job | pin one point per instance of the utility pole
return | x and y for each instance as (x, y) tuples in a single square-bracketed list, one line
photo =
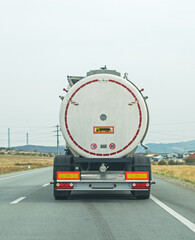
[(8, 137), (27, 139), (57, 135), (58, 129)]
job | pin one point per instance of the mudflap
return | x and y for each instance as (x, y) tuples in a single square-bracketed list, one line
[(61, 163)]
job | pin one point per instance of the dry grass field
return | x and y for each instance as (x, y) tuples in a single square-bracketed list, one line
[(182, 172), (13, 163)]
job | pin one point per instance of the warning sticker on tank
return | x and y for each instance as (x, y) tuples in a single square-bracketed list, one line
[(103, 129)]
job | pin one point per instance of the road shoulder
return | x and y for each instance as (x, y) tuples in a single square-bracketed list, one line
[(176, 181)]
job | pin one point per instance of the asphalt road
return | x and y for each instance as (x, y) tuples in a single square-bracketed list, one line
[(29, 211)]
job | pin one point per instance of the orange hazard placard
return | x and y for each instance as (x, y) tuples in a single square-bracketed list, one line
[(103, 129), (136, 176), (68, 175)]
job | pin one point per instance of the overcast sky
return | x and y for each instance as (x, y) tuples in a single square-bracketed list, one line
[(43, 41)]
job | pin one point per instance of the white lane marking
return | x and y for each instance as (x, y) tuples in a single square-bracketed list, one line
[(182, 219), (45, 185), (17, 200), (19, 175)]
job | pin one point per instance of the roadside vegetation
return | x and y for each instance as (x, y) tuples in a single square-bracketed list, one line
[(182, 172), (12, 161)]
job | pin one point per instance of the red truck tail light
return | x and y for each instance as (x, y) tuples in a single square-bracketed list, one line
[(64, 185), (140, 185)]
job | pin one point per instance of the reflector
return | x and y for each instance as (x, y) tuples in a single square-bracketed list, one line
[(64, 185), (140, 185)]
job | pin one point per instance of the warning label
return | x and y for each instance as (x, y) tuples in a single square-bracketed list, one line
[(103, 130)]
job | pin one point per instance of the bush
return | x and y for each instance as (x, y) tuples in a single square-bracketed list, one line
[(171, 162), (32, 154), (162, 162), (190, 160)]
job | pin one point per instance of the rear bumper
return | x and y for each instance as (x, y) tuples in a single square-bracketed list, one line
[(109, 181), (102, 186)]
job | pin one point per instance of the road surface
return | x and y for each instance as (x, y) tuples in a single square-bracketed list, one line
[(29, 211)]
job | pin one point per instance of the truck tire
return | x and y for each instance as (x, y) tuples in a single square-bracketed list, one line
[(60, 195), (61, 163), (141, 164), (141, 194)]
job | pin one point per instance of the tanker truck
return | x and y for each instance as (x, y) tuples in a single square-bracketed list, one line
[(103, 118)]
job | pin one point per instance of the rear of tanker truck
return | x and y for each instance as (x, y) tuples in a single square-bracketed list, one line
[(103, 119)]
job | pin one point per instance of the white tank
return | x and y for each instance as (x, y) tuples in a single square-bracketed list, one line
[(103, 115)]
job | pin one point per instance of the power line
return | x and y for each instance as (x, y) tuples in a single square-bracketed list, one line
[(175, 123), (39, 127), (167, 134)]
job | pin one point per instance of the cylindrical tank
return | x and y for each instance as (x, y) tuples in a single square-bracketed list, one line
[(103, 116)]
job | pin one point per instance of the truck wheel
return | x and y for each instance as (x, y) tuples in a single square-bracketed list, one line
[(60, 195), (141, 164), (141, 194), (61, 163)]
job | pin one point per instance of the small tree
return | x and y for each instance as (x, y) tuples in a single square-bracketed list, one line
[(171, 162), (162, 162)]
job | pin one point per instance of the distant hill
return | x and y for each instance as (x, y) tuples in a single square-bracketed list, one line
[(43, 149), (178, 147)]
